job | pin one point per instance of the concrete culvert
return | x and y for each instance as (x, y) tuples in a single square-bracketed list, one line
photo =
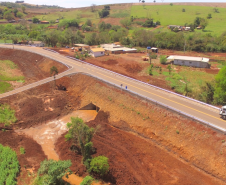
[(90, 106), (61, 87)]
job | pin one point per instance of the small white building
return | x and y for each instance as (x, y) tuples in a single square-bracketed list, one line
[(199, 62), (97, 52)]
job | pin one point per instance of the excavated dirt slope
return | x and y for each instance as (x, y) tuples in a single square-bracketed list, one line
[(145, 144), (33, 66)]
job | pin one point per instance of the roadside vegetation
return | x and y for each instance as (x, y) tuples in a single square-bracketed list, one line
[(9, 166), (7, 115)]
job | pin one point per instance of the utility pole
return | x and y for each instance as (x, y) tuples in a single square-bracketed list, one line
[(184, 45)]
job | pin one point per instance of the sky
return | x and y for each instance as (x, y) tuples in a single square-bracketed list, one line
[(84, 3)]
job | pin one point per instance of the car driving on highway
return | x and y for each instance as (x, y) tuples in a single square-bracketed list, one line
[(223, 112)]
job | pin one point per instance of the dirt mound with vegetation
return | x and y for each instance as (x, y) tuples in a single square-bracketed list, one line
[(145, 144), (34, 67)]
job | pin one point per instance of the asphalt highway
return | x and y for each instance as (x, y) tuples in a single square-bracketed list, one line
[(207, 114)]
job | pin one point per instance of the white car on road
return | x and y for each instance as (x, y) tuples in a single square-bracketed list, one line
[(223, 112)]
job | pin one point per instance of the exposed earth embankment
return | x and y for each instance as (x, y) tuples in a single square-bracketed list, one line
[(145, 144)]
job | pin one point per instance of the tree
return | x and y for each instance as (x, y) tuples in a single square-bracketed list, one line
[(19, 15), (15, 12), (220, 89), (169, 68), (51, 172), (209, 16), (197, 21), (87, 180), (207, 94), (203, 23), (81, 135), (183, 10), (163, 59), (150, 69), (93, 8), (160, 70), (8, 15), (104, 13), (88, 22), (125, 22), (143, 1), (54, 71), (107, 7), (23, 9), (216, 10), (148, 23), (171, 4), (35, 20), (99, 165)]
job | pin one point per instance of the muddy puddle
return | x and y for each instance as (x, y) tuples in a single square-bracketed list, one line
[(47, 134)]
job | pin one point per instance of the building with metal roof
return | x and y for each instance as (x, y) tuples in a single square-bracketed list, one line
[(199, 62), (97, 52), (113, 48)]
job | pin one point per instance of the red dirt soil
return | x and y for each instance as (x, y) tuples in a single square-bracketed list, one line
[(132, 159), (158, 155), (30, 161)]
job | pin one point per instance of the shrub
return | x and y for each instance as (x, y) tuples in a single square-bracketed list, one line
[(209, 16), (22, 150), (99, 165), (7, 116), (87, 180), (163, 59), (9, 166), (183, 10), (150, 70), (153, 56), (52, 171)]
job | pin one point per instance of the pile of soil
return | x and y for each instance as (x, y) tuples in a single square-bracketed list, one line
[(39, 105), (30, 161)]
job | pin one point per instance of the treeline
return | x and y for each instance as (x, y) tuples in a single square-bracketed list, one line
[(70, 32)]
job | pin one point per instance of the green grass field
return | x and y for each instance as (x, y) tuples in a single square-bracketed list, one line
[(173, 15), (177, 80), (7, 75), (82, 16)]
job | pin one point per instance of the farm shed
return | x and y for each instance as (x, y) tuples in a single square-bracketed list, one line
[(97, 52), (117, 49), (199, 62)]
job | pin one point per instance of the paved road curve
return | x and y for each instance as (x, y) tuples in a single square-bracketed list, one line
[(206, 113)]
